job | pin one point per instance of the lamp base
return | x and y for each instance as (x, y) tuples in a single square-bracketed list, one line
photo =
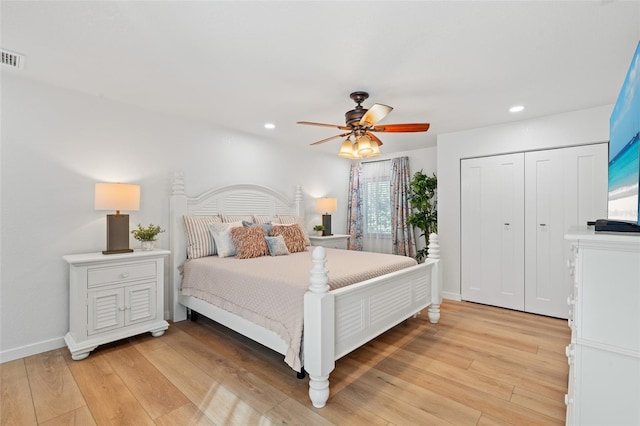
[(117, 234), (117, 251), (326, 222)]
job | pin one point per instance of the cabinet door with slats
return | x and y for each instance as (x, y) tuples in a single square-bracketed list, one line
[(140, 302), (105, 310)]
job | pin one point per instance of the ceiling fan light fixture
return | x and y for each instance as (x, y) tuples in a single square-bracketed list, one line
[(346, 149), (364, 145), (376, 150)]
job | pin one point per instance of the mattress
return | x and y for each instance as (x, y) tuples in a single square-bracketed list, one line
[(269, 290)]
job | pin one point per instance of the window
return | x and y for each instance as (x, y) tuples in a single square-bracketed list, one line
[(377, 207)]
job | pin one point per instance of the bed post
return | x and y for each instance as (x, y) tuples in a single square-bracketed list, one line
[(177, 209), (433, 253), (297, 198), (319, 329)]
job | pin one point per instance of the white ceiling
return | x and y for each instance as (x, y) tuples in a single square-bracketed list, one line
[(457, 65)]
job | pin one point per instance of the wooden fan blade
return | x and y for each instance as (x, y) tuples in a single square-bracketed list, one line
[(331, 138), (374, 114), (310, 123), (374, 138), (409, 127)]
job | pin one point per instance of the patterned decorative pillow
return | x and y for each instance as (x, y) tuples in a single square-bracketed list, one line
[(293, 237), (290, 220), (277, 246), (232, 218), (265, 226), (199, 240), (222, 238), (250, 242), (263, 218)]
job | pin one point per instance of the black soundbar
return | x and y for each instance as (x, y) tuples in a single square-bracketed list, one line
[(605, 225)]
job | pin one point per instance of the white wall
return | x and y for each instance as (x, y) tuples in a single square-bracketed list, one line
[(56, 144), (574, 128)]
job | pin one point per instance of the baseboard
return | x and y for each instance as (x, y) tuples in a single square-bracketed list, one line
[(34, 349), (452, 296)]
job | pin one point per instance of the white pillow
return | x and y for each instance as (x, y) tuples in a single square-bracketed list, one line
[(222, 236)]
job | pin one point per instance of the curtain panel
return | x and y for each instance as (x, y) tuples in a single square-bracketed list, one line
[(378, 207), (402, 236)]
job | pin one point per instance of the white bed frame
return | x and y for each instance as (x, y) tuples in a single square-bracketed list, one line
[(335, 322)]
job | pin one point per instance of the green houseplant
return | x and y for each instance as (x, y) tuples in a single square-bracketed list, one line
[(318, 229), (423, 200), (147, 235)]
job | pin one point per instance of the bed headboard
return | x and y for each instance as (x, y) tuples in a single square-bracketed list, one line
[(239, 199)]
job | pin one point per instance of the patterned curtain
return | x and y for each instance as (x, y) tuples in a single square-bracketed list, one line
[(401, 233), (354, 208)]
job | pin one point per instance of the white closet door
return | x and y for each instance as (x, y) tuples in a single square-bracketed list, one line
[(492, 246), (544, 234), (563, 188)]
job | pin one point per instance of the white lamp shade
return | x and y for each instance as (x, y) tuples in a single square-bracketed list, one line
[(327, 205), (364, 145), (117, 196), (376, 149), (346, 149)]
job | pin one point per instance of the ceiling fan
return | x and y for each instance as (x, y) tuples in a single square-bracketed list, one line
[(360, 123)]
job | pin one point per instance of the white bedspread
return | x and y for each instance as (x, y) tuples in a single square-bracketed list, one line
[(269, 291)]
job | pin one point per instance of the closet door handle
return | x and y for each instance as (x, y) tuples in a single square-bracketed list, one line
[(543, 224)]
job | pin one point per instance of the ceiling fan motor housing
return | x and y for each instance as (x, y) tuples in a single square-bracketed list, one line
[(352, 118), (356, 114)]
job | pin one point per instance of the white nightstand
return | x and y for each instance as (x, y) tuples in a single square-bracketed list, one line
[(338, 241), (114, 296)]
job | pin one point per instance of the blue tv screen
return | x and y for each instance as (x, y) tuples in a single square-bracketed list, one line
[(624, 149)]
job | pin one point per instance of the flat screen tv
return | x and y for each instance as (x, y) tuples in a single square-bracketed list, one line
[(624, 155)]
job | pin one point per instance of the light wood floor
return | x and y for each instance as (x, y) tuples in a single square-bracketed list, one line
[(479, 366)]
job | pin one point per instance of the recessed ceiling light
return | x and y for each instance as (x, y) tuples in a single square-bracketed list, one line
[(269, 126), (516, 108)]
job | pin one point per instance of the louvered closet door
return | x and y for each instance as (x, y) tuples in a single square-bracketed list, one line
[(564, 188), (492, 229)]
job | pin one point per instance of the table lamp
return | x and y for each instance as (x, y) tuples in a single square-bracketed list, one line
[(326, 206), (117, 196)]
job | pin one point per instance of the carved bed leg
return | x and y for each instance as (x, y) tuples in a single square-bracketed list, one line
[(319, 390), (319, 329), (300, 374), (434, 313)]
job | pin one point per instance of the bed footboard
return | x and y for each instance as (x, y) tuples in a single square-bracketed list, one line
[(339, 321)]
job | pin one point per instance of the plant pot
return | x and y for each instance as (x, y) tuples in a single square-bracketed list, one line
[(146, 245), (319, 233)]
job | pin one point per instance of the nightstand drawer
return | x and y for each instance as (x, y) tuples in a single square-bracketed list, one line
[(337, 244), (120, 273), (337, 241)]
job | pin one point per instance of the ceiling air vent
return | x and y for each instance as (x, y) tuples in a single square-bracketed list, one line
[(12, 59)]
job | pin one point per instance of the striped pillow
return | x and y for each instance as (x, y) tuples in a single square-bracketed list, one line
[(199, 240), (232, 218), (263, 218)]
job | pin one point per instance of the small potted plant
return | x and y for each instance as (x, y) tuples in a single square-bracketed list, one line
[(319, 229), (147, 235)]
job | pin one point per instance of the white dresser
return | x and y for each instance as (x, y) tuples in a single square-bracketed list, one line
[(114, 296), (604, 316)]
